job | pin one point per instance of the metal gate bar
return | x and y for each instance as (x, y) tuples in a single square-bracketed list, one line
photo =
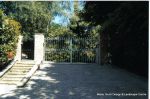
[(71, 50)]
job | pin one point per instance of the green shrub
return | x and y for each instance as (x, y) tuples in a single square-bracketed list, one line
[(9, 33)]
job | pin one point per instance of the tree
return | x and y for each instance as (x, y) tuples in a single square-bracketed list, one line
[(56, 30), (124, 33), (80, 27), (8, 7), (34, 16)]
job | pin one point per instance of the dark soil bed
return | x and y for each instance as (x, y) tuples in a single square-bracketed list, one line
[(4, 65)]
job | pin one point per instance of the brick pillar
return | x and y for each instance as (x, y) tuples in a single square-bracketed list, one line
[(38, 48), (18, 51)]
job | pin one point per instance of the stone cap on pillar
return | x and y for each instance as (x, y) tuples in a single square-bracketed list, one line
[(38, 34)]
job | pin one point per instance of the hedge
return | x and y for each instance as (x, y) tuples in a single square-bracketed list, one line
[(9, 34)]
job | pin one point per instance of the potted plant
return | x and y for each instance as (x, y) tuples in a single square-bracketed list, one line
[(10, 55)]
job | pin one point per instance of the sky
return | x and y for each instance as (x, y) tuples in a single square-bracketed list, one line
[(60, 20), (63, 20)]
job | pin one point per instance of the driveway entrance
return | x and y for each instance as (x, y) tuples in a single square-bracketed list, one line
[(81, 81)]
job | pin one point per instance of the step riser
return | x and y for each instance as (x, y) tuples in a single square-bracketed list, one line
[(16, 70), (25, 64), (10, 83), (13, 72), (11, 79), (19, 70), (14, 76), (16, 73)]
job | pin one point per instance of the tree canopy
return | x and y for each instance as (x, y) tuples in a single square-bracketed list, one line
[(124, 32), (34, 16)]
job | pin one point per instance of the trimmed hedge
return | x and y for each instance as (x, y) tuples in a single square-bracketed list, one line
[(9, 33)]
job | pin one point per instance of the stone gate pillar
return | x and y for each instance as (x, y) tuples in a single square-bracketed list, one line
[(38, 48), (98, 55), (18, 51)]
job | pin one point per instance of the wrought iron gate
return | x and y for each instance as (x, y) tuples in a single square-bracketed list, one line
[(27, 49), (82, 50)]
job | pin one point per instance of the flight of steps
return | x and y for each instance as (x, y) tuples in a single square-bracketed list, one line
[(17, 73)]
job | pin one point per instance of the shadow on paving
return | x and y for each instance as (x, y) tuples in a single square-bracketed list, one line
[(82, 81)]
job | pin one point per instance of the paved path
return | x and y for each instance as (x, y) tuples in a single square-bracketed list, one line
[(86, 81)]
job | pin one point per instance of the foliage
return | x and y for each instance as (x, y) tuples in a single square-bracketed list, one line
[(80, 27), (8, 7), (34, 16), (84, 37), (84, 29), (56, 30), (9, 33), (99, 12), (124, 32), (63, 48)]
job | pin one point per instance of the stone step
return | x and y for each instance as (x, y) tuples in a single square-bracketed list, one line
[(23, 64), (30, 63), (14, 76), (19, 70), (16, 73), (21, 67), (16, 67), (11, 79), (9, 82)]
